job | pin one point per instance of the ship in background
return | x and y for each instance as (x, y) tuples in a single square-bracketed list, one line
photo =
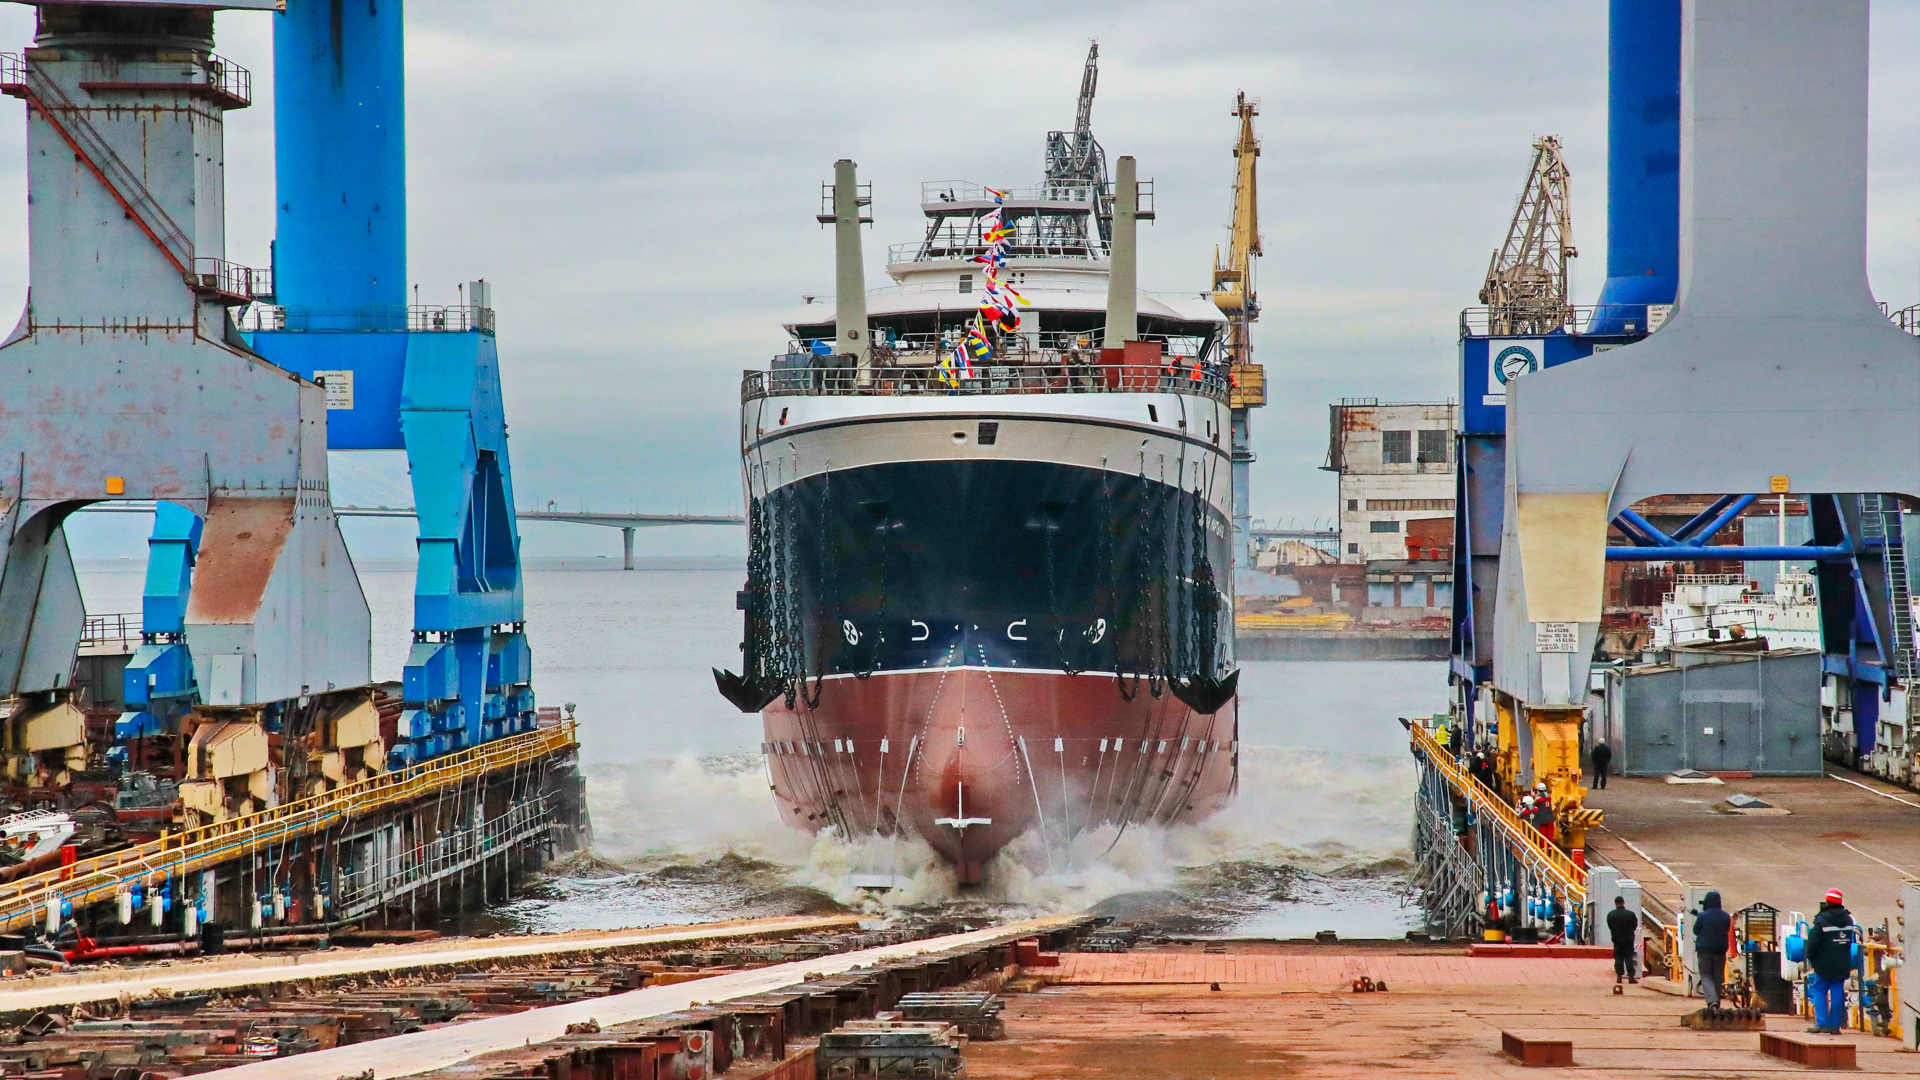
[(988, 588)]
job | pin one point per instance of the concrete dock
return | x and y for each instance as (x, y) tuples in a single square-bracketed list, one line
[(231, 972), (1841, 830), (1287, 1010)]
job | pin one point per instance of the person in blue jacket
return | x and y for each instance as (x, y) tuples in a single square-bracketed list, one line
[(1830, 955), (1712, 929)]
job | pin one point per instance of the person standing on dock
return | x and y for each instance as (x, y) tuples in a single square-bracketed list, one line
[(1712, 930), (1622, 927), (1602, 756), (1830, 955)]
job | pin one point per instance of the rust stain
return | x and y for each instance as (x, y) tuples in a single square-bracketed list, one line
[(239, 545)]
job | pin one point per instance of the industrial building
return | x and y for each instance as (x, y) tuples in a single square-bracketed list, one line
[(1395, 463)]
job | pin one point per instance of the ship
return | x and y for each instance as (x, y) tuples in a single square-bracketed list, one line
[(988, 588)]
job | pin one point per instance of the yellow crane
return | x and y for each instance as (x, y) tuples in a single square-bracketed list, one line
[(1233, 291), (1233, 294)]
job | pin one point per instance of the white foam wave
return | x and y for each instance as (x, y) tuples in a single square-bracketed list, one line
[(1320, 811)]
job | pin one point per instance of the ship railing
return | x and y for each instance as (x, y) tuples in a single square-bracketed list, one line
[(930, 250), (935, 192), (1526, 842), (1039, 378), (25, 900), (1042, 346), (379, 318)]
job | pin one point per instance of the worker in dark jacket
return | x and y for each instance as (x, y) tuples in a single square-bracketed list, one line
[(1602, 756), (1482, 769), (1830, 955), (1712, 929), (1622, 928)]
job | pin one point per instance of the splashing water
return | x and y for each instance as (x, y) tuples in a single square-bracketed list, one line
[(1315, 840)]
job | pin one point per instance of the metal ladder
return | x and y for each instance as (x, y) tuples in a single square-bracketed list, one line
[(1880, 520)]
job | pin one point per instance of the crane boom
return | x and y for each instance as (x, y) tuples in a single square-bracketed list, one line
[(1233, 279), (1234, 295), (1083, 116), (1526, 288)]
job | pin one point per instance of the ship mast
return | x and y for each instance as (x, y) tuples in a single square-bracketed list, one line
[(1233, 294), (1074, 158), (1526, 289)]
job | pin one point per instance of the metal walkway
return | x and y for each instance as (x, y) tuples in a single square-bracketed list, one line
[(25, 901), (1469, 843)]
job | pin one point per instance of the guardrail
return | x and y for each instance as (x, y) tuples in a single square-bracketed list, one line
[(244, 283), (927, 251), (230, 79), (934, 192), (987, 379), (26, 900), (1540, 855), (367, 890), (414, 318)]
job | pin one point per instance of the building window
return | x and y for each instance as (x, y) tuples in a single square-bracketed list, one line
[(1354, 504), (1433, 446), (1406, 504), (1353, 549), (1380, 594), (1396, 447), (1383, 526), (966, 283)]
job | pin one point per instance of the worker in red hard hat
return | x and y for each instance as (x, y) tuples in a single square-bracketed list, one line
[(1830, 955)]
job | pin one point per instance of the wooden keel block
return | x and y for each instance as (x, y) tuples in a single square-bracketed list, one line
[(1533, 1050), (1813, 1053)]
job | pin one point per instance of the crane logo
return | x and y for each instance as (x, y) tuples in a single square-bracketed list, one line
[(1507, 363)]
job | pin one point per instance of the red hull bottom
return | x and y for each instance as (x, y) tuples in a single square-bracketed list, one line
[(969, 758)]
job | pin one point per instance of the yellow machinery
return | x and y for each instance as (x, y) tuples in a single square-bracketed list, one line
[(1554, 758)]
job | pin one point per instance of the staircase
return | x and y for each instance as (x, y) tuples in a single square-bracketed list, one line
[(1880, 526)]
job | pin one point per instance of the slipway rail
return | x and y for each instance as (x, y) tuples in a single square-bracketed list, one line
[(25, 901)]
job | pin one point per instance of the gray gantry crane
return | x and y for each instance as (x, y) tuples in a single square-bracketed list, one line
[(1526, 289)]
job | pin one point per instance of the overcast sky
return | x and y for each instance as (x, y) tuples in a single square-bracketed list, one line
[(639, 181)]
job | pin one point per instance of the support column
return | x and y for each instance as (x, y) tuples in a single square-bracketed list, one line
[(850, 276), (626, 543)]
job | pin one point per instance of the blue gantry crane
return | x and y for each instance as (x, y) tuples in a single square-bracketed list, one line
[(398, 376)]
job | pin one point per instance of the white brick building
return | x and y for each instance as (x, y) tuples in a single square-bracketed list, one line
[(1395, 462)]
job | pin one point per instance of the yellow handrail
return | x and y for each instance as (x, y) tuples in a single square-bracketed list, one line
[(1560, 871), (23, 900)]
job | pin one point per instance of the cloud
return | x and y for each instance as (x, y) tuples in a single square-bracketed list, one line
[(639, 181)]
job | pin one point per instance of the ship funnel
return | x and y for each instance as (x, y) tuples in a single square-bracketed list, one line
[(850, 275), (1123, 278)]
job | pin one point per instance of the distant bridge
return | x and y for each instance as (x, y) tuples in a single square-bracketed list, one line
[(626, 523)]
